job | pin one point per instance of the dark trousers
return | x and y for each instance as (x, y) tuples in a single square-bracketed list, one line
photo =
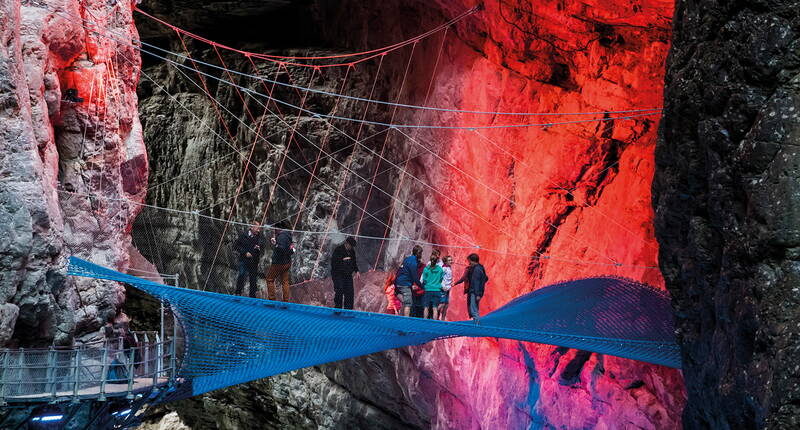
[(247, 270), (343, 294), (416, 306), (472, 305)]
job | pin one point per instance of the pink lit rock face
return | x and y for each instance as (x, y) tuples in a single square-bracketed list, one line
[(571, 192), (50, 141), (568, 192)]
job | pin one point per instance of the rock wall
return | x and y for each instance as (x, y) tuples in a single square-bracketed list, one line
[(51, 139), (525, 199), (725, 194), (542, 212)]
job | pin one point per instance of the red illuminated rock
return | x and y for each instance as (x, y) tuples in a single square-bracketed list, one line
[(578, 194), (68, 121), (555, 203)]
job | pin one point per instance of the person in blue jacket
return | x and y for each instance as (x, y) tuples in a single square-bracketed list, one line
[(476, 279), (407, 276)]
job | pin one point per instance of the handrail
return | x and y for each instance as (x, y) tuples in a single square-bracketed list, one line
[(35, 375)]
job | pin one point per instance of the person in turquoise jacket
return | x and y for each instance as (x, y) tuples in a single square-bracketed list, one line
[(432, 283)]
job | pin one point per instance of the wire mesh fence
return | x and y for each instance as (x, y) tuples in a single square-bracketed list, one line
[(100, 369)]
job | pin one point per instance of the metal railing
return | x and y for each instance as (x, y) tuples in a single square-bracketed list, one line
[(90, 371)]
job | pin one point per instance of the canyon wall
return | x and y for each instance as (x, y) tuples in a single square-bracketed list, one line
[(68, 127), (555, 202), (725, 194), (544, 204)]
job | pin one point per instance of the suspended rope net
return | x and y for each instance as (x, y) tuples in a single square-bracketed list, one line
[(231, 340)]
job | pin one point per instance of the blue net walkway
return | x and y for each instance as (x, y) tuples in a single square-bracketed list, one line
[(231, 340)]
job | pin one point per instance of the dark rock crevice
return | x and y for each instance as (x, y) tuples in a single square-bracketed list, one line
[(725, 192)]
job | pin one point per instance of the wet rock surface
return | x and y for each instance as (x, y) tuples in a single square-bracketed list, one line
[(68, 124), (725, 194)]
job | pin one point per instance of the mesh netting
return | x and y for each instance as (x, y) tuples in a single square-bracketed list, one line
[(232, 340)]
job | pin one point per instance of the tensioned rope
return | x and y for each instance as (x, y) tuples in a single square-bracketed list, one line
[(246, 164), (380, 189), (283, 58), (346, 168), (319, 153), (404, 105), (365, 237), (231, 340), (290, 172), (355, 98), (406, 164), (616, 264), (502, 196), (202, 123), (386, 138), (245, 125), (411, 209), (337, 161), (649, 112), (250, 128), (288, 145), (342, 229)]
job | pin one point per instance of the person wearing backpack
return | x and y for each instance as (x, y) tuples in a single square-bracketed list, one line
[(477, 279), (407, 277)]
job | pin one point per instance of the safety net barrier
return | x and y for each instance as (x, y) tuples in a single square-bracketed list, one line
[(232, 340)]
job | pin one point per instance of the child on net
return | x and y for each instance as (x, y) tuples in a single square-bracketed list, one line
[(447, 283)]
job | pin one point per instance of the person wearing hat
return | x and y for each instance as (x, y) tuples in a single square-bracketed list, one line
[(343, 265)]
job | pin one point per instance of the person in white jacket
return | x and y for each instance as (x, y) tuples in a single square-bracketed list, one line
[(447, 283)]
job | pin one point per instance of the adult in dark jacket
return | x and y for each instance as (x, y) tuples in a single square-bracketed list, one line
[(407, 276), (281, 263), (343, 265), (476, 278), (248, 246)]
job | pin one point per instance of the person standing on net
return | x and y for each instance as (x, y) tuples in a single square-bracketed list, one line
[(249, 245), (432, 282), (476, 279), (447, 283), (407, 277), (343, 265), (281, 262)]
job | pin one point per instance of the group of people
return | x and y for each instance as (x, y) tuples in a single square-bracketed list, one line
[(424, 290), (415, 289), (249, 246)]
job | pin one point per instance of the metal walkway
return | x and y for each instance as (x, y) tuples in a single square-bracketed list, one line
[(94, 371)]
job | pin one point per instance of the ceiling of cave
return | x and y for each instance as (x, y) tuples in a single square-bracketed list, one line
[(226, 20)]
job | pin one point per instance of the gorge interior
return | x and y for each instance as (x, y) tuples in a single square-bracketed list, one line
[(578, 192)]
